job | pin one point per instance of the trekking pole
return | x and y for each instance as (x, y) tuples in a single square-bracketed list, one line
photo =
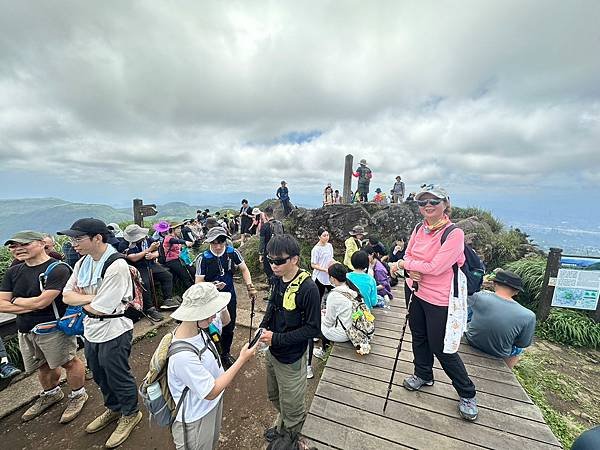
[(252, 301), (389, 389), (151, 277)]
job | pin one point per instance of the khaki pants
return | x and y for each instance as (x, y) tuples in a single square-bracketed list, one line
[(286, 388), (202, 434)]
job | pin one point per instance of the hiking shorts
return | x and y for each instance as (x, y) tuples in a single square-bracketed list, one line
[(55, 349)]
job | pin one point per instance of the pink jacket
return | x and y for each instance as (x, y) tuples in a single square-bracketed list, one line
[(425, 254)]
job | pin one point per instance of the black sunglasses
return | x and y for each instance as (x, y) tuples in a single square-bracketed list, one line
[(278, 261), (431, 201)]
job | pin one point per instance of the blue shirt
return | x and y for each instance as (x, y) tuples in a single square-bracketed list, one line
[(220, 268), (366, 285)]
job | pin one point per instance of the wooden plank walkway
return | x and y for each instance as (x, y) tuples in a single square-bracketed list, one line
[(347, 409)]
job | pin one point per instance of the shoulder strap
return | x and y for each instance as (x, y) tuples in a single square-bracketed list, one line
[(446, 232), (111, 259), (45, 278), (182, 346)]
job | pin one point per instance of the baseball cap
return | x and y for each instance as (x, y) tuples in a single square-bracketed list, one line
[(25, 237), (85, 226), (434, 190)]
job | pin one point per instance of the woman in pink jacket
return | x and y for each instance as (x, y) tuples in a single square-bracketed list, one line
[(429, 265)]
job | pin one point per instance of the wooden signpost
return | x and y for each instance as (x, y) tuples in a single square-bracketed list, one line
[(140, 211)]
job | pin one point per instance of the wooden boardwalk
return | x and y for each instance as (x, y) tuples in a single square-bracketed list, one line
[(347, 409)]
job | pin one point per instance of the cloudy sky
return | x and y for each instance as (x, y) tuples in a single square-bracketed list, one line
[(197, 100)]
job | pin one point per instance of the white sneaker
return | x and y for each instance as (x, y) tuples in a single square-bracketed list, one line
[(318, 352), (309, 373), (315, 339)]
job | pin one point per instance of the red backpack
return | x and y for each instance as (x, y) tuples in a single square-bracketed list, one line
[(137, 294)]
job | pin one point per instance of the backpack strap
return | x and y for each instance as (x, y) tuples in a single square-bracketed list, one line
[(445, 234), (111, 259), (289, 296), (44, 278)]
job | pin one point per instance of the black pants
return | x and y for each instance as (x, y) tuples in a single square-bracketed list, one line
[(109, 362), (227, 333), (311, 347), (322, 288), (428, 327), (287, 207), (159, 275), (267, 269), (363, 196), (180, 273)]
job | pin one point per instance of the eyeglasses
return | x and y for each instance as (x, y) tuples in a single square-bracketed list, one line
[(278, 261), (431, 201), (78, 240)]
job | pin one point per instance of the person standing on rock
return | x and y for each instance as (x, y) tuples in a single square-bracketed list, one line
[(398, 190), (293, 317), (245, 220), (430, 267), (108, 340), (364, 175), (34, 302), (283, 195), (216, 265), (328, 198), (353, 244)]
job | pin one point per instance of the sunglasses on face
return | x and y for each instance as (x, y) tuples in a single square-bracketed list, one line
[(278, 261), (431, 201)]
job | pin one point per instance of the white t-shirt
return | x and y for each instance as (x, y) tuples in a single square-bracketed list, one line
[(186, 369), (321, 255), (109, 294)]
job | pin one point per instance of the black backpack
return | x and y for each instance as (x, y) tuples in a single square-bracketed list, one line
[(276, 227), (473, 268)]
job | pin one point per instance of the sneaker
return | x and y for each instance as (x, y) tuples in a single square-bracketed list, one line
[(414, 383), (7, 370), (227, 361), (42, 403), (74, 407), (468, 408), (153, 315), (318, 352), (169, 303), (271, 434), (315, 339), (309, 373), (102, 421), (124, 428)]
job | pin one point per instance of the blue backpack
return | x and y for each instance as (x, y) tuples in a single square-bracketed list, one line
[(473, 268)]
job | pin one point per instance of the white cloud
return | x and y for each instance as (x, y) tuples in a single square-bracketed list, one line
[(501, 93)]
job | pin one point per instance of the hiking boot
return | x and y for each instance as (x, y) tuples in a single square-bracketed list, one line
[(271, 434), (414, 383), (7, 370), (124, 428), (309, 373), (467, 407), (102, 421), (153, 315), (74, 407), (169, 303), (320, 353), (42, 403), (227, 361)]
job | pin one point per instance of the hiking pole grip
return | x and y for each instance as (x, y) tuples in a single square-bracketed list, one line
[(398, 350)]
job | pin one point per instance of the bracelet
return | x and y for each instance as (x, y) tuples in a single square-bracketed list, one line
[(13, 300)]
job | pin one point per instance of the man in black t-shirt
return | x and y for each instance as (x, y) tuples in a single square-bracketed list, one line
[(34, 293), (293, 317), (268, 230)]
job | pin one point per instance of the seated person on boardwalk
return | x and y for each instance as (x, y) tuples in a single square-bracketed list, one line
[(382, 279), (353, 244), (430, 264), (362, 280), (500, 326)]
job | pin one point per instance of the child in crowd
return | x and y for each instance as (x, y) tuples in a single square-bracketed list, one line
[(362, 280)]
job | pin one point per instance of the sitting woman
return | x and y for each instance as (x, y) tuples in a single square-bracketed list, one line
[(172, 245), (338, 312), (362, 280), (378, 271)]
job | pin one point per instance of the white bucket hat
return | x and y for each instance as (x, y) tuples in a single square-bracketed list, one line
[(201, 301), (134, 233)]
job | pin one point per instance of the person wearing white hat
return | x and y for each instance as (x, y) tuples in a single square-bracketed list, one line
[(204, 376)]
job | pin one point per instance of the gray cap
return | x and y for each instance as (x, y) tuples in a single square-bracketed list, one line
[(433, 189), (214, 233)]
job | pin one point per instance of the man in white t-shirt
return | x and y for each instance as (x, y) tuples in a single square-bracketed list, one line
[(108, 334)]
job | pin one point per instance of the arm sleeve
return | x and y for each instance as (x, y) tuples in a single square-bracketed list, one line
[(372, 300), (237, 257), (58, 278), (7, 283), (268, 314), (313, 256), (446, 256), (310, 302), (526, 335), (201, 266)]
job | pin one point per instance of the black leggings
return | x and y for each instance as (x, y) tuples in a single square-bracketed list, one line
[(428, 327), (311, 347), (161, 276), (322, 288), (180, 273)]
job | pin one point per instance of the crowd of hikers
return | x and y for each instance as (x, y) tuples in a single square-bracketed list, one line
[(107, 278)]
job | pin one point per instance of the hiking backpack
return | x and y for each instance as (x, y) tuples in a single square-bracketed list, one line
[(137, 292), (51, 326), (154, 389), (363, 323), (276, 227), (473, 268)]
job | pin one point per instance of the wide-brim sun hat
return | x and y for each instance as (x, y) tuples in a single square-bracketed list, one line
[(200, 302), (509, 279), (134, 233), (255, 211), (433, 189), (161, 226), (358, 229)]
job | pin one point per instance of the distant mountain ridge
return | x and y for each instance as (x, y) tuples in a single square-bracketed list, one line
[(50, 215)]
